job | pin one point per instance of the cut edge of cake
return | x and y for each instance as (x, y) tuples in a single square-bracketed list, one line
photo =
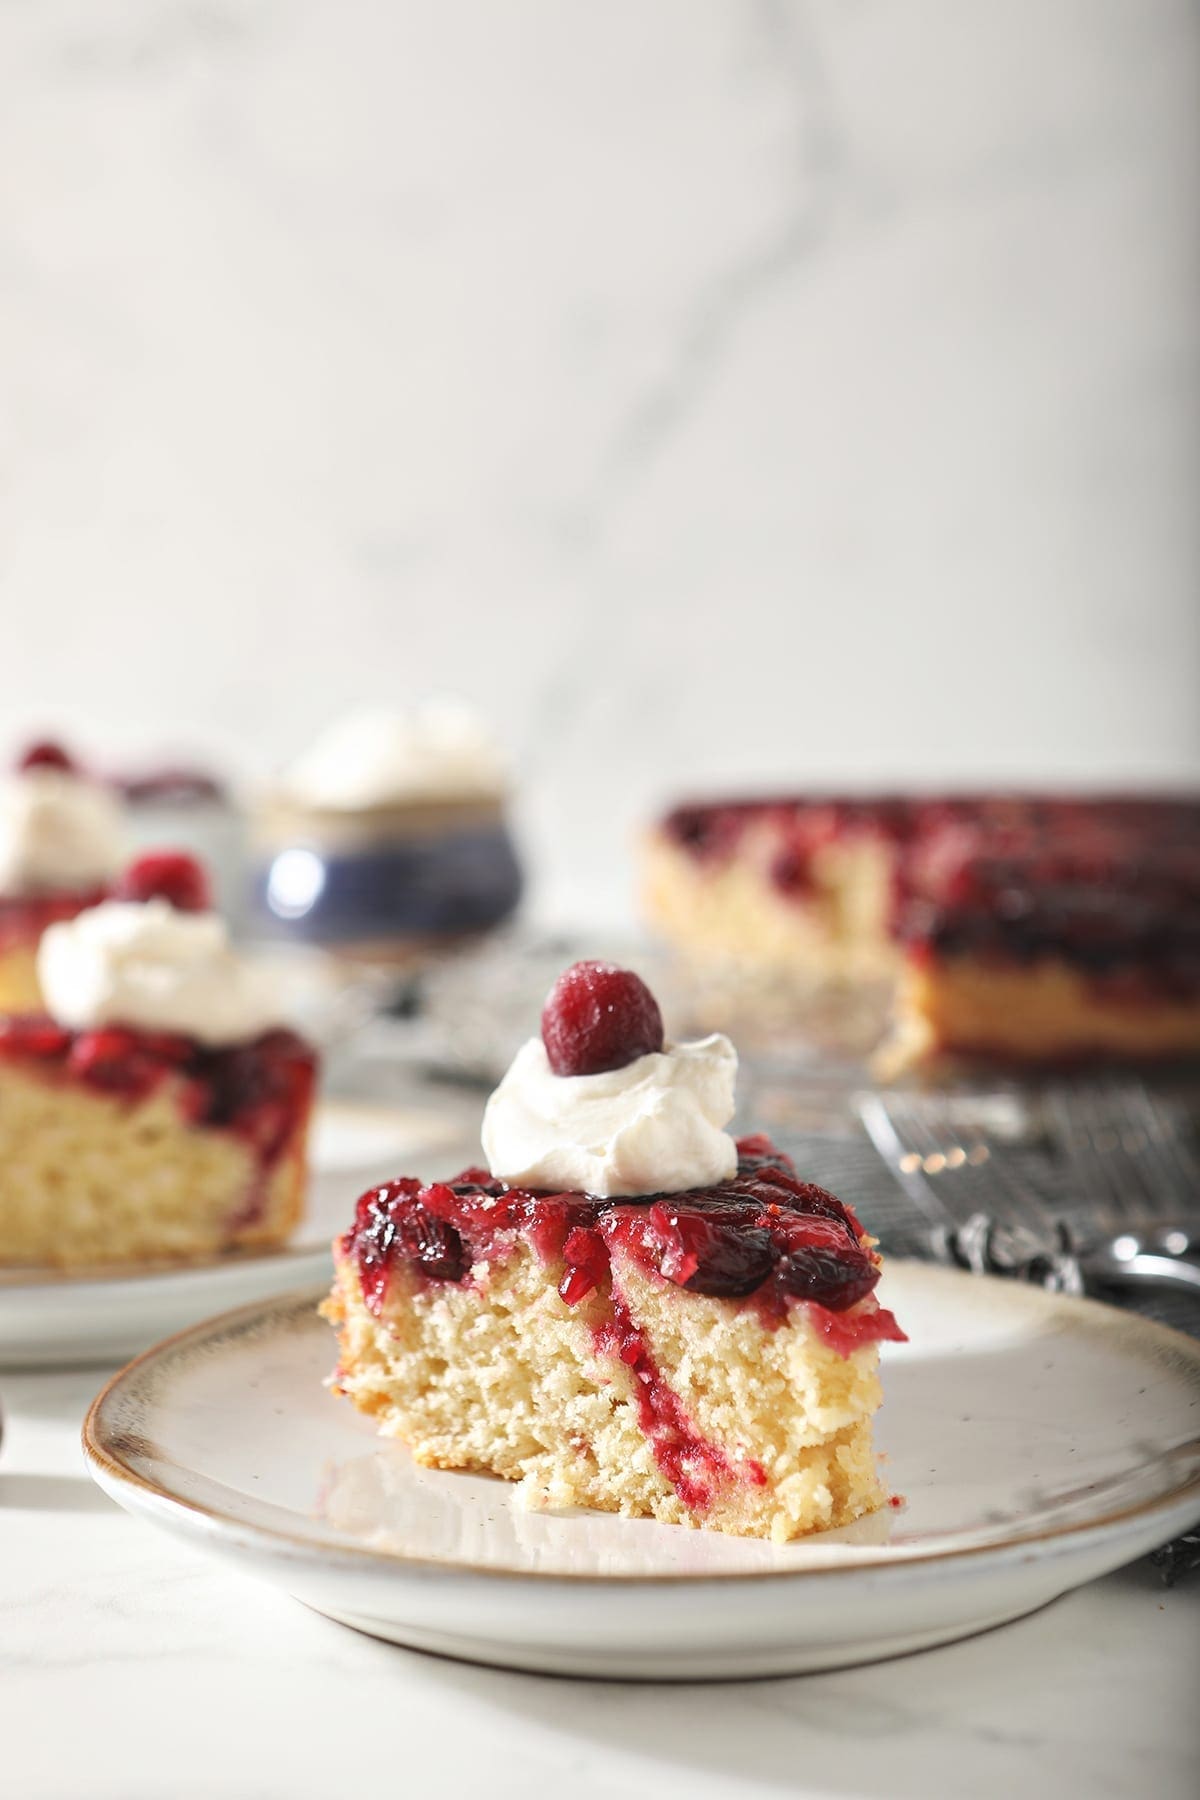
[(638, 1397), (96, 1179)]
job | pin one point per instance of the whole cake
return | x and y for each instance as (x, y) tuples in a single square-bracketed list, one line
[(626, 1309), (388, 838), (1036, 928), (157, 1109), (61, 841)]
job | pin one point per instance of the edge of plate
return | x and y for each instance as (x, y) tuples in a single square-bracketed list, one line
[(118, 1474)]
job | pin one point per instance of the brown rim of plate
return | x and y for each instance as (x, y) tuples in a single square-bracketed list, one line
[(1108, 1319)]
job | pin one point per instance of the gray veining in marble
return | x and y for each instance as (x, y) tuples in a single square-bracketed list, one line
[(728, 389)]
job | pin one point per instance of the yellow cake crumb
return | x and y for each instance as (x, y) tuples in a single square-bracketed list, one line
[(500, 1375), (90, 1178)]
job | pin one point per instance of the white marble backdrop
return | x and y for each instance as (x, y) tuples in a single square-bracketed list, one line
[(722, 392)]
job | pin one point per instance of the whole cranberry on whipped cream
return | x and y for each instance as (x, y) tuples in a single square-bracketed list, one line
[(653, 1123), (150, 965), (598, 1016)]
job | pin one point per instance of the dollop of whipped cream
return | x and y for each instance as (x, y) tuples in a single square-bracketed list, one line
[(146, 966), (438, 751), (653, 1127), (58, 832)]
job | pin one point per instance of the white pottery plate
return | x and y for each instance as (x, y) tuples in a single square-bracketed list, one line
[(51, 1317), (1038, 1442)]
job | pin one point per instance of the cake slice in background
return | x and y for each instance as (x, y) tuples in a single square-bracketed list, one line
[(157, 1109), (1032, 929), (62, 839), (627, 1309)]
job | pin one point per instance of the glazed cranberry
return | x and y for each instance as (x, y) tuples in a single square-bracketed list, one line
[(802, 1197), (46, 755), (474, 1179), (711, 1249), (818, 1262), (433, 1244), (708, 832), (553, 1221), (393, 1221), (587, 1264), (33, 1037), (599, 1017), (112, 1059), (756, 1151), (170, 875)]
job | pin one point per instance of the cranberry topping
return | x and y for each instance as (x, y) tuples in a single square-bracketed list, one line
[(258, 1090), (598, 1017), (818, 1262), (46, 755), (170, 875), (391, 1222), (114, 1060), (553, 1220), (711, 1247), (709, 833), (586, 1260), (764, 1237), (33, 1035), (261, 1090), (24, 918), (723, 1246)]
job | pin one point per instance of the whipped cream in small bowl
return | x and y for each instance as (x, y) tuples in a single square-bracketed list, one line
[(441, 750), (387, 837)]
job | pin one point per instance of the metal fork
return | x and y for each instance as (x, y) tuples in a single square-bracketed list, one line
[(987, 1215)]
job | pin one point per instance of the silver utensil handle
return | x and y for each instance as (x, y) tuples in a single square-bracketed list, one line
[(1146, 1269), (1049, 1258)]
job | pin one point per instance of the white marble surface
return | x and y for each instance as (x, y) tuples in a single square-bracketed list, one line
[(728, 390), (132, 1668)]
